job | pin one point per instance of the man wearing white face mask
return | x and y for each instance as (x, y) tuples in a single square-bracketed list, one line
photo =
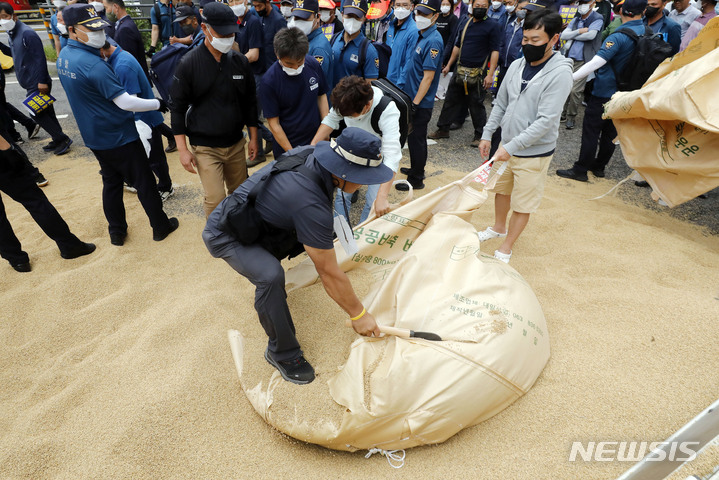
[(401, 38), (103, 111), (32, 74), (286, 9), (213, 99), (59, 36), (498, 12), (294, 92), (353, 52), (305, 16)]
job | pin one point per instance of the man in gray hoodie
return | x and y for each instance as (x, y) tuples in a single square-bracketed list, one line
[(528, 107)]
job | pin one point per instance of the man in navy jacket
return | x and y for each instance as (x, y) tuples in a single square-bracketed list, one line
[(32, 75)]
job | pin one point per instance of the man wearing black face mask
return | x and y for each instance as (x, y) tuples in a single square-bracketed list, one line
[(477, 48), (655, 19), (528, 106)]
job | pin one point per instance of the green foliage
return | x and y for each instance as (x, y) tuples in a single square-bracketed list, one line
[(50, 53)]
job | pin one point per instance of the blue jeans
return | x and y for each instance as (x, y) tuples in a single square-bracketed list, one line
[(369, 201)]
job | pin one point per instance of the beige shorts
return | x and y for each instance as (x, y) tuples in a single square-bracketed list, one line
[(524, 180)]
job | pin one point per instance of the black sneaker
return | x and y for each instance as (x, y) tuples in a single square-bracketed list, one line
[(258, 159), (63, 147), (405, 170), (297, 371), (355, 196), (573, 175), (33, 131), (118, 239), (18, 140), (50, 146), (21, 267), (455, 126), (402, 187), (160, 236), (599, 173), (41, 180), (171, 147), (642, 183), (81, 250)]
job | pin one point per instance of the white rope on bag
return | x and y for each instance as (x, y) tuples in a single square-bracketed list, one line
[(614, 187), (391, 455)]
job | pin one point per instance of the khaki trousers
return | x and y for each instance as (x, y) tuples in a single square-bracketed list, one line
[(221, 171), (577, 94)]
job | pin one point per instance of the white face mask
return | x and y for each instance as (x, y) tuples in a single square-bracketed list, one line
[(293, 72), (496, 5), (445, 9), (59, 3), (325, 15), (7, 25), (95, 39), (285, 10), (304, 25), (99, 7), (510, 8), (402, 13), (62, 28), (466, 2), (352, 25), (422, 22), (521, 14), (239, 10), (222, 45), (584, 8)]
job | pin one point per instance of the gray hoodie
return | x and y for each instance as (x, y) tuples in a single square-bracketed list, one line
[(530, 118)]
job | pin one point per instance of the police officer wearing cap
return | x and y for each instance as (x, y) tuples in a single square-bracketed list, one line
[(421, 83), (305, 16), (103, 111), (348, 47), (190, 32), (597, 131), (300, 202)]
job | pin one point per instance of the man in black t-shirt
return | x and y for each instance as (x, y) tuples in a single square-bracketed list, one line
[(299, 202)]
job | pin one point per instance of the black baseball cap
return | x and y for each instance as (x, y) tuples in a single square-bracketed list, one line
[(85, 15), (220, 17), (429, 7), (630, 7), (305, 8), (182, 12), (357, 7)]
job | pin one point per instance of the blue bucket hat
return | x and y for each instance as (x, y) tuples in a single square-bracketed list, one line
[(355, 157)]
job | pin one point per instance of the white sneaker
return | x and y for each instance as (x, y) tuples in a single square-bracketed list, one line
[(130, 189), (502, 256), (165, 195), (489, 234)]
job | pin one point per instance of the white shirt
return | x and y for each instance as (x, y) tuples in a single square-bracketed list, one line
[(685, 18), (388, 124)]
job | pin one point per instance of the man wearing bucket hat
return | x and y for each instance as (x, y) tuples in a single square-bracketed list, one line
[(298, 202)]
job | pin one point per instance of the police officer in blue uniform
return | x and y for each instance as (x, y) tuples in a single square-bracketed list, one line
[(103, 111), (612, 57), (421, 84), (401, 37), (348, 47), (305, 16)]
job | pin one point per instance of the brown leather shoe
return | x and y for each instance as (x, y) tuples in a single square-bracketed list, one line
[(439, 133)]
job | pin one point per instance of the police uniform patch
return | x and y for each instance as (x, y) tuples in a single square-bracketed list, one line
[(319, 59), (433, 52), (609, 44), (376, 62)]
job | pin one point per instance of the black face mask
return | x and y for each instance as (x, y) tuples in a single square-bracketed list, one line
[(188, 29), (533, 53), (651, 11), (263, 13), (479, 13)]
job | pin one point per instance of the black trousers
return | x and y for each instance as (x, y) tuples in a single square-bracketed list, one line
[(21, 118), (455, 103), (128, 163), (21, 187), (166, 132), (48, 121), (158, 160), (417, 143), (596, 130)]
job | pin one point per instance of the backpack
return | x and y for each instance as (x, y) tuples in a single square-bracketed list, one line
[(392, 93), (163, 65), (384, 52), (241, 220), (649, 51)]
